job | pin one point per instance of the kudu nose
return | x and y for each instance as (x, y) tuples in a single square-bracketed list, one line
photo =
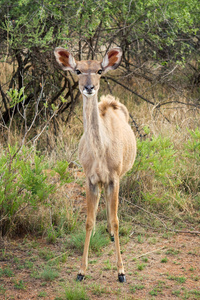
[(89, 88)]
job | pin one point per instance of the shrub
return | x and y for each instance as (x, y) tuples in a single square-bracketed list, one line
[(164, 177), (22, 184)]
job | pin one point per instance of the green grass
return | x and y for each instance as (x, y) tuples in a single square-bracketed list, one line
[(176, 293), (42, 294), (108, 265), (2, 289), (19, 285), (46, 254), (164, 260), (6, 272), (145, 259), (97, 242), (180, 279), (141, 267), (135, 287), (154, 292), (97, 289), (75, 292), (49, 274), (172, 251)]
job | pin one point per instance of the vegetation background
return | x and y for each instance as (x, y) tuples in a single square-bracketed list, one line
[(41, 112)]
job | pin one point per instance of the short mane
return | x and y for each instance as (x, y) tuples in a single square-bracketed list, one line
[(110, 101)]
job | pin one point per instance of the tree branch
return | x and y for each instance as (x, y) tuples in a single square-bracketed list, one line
[(128, 89)]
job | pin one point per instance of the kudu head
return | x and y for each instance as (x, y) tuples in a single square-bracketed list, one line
[(88, 71)]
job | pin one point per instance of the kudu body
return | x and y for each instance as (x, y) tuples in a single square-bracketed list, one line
[(107, 148)]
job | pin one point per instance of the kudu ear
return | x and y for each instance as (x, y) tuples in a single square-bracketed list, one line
[(112, 59), (65, 59)]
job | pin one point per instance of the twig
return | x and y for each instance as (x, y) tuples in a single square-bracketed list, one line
[(58, 256), (128, 89), (148, 212), (166, 227), (155, 250), (176, 101), (185, 231)]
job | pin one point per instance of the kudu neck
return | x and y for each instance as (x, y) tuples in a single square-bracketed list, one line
[(92, 123)]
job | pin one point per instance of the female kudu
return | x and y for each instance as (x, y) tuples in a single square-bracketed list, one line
[(107, 148)]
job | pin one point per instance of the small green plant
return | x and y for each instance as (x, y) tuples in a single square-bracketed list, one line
[(180, 279), (108, 265), (176, 293), (6, 272), (164, 260), (141, 267), (46, 254), (19, 285), (145, 259), (195, 278), (16, 96), (172, 251), (2, 289), (140, 239), (61, 168), (124, 230), (135, 287), (154, 292), (42, 294), (98, 290), (76, 292), (29, 264), (49, 274), (51, 236)]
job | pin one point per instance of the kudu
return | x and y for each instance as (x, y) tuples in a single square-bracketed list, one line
[(107, 148)]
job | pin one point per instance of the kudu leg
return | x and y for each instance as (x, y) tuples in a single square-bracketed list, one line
[(112, 192), (92, 197)]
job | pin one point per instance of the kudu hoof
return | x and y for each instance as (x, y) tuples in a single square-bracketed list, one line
[(112, 238), (122, 277), (79, 277)]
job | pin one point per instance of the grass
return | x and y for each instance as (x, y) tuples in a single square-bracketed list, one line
[(99, 290), (42, 294), (6, 272), (20, 285), (180, 279), (135, 287), (108, 265), (141, 267), (164, 260), (75, 292), (49, 274), (172, 252), (97, 242)]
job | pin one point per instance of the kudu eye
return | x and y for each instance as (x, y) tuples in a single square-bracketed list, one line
[(100, 72), (78, 72)]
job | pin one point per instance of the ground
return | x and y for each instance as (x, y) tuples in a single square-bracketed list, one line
[(158, 266)]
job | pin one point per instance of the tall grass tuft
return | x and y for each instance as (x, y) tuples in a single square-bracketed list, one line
[(97, 241), (76, 292)]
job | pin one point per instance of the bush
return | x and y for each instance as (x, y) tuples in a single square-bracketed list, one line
[(164, 177), (22, 184)]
